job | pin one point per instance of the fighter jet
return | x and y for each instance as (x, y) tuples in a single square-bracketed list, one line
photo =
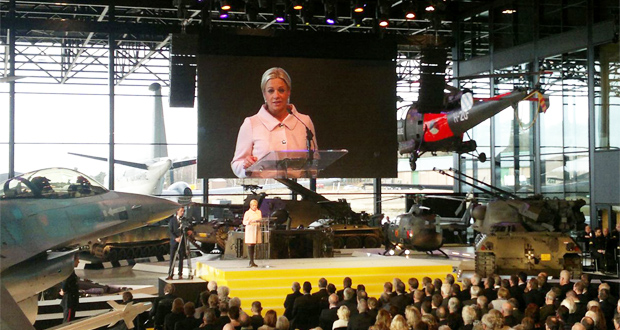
[(52, 209)]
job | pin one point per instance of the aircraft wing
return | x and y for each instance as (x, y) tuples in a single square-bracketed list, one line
[(183, 163), (116, 161), (12, 316), (124, 313)]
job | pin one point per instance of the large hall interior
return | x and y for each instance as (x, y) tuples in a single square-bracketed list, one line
[(261, 143)]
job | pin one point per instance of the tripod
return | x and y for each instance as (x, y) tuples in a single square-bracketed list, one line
[(183, 243)]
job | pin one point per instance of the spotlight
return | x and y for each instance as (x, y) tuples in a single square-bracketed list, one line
[(330, 18), (409, 10), (509, 11), (391, 252), (278, 13), (358, 6), (430, 8), (223, 14), (330, 11), (298, 4), (225, 4), (407, 252), (383, 12)]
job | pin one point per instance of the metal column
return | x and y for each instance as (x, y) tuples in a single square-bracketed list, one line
[(111, 70)]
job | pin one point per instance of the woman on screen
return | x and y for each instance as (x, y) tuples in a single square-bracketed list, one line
[(276, 126)]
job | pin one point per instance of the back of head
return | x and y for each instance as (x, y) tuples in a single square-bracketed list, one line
[(189, 309), (446, 289), (270, 318), (413, 315), (372, 303), (348, 294), (453, 305), (235, 301), (469, 314), (223, 307), (413, 283), (296, 287), (362, 306), (322, 283), (214, 301), (204, 298), (209, 316), (307, 287), (400, 287), (169, 288), (233, 312), (347, 282), (223, 291), (331, 288), (343, 313), (333, 299), (257, 306), (177, 305), (441, 313), (282, 323), (212, 286), (399, 323), (450, 279), (523, 277)]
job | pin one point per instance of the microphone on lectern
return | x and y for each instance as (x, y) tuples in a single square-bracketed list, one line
[(309, 134)]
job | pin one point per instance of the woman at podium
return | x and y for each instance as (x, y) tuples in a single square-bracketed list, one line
[(277, 126), (251, 221)]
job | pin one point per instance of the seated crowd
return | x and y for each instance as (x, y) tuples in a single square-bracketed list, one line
[(517, 303)]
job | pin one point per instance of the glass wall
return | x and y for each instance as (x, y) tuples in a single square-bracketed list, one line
[(564, 128)]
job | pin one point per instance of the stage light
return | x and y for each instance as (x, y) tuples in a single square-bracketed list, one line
[(223, 14), (225, 5), (298, 4), (430, 8), (358, 6), (383, 13), (409, 10), (407, 252), (330, 11), (509, 11), (278, 13), (391, 252)]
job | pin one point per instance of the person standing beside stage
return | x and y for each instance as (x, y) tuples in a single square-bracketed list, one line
[(274, 127), (177, 243), (70, 293), (251, 221)]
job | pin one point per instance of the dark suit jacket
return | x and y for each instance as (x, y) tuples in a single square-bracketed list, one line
[(188, 323), (172, 319), (351, 305), (401, 301), (256, 321), (360, 322), (305, 313), (328, 317), (288, 304), (321, 297), (546, 311), (534, 296)]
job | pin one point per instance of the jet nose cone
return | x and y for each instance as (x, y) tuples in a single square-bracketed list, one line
[(162, 208)]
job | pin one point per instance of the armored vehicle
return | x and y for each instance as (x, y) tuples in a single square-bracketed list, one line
[(525, 234)]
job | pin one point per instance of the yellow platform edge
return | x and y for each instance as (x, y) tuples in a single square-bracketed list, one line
[(270, 286)]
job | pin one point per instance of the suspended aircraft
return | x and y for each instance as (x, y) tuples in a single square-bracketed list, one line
[(51, 209), (438, 121), (147, 177)]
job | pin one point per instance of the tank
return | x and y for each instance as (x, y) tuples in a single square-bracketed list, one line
[(525, 234), (149, 241), (350, 229)]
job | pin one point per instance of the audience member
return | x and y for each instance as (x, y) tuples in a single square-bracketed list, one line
[(177, 314), (343, 314), (269, 321), (329, 315)]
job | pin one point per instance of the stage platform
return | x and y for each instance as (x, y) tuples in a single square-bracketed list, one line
[(272, 280)]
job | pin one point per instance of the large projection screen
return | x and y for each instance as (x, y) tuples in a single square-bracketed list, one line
[(352, 103)]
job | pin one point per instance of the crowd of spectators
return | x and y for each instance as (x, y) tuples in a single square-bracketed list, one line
[(518, 303)]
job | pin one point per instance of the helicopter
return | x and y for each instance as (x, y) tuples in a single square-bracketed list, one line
[(438, 121), (421, 229)]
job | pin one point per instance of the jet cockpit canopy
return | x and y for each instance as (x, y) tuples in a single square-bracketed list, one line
[(51, 183)]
